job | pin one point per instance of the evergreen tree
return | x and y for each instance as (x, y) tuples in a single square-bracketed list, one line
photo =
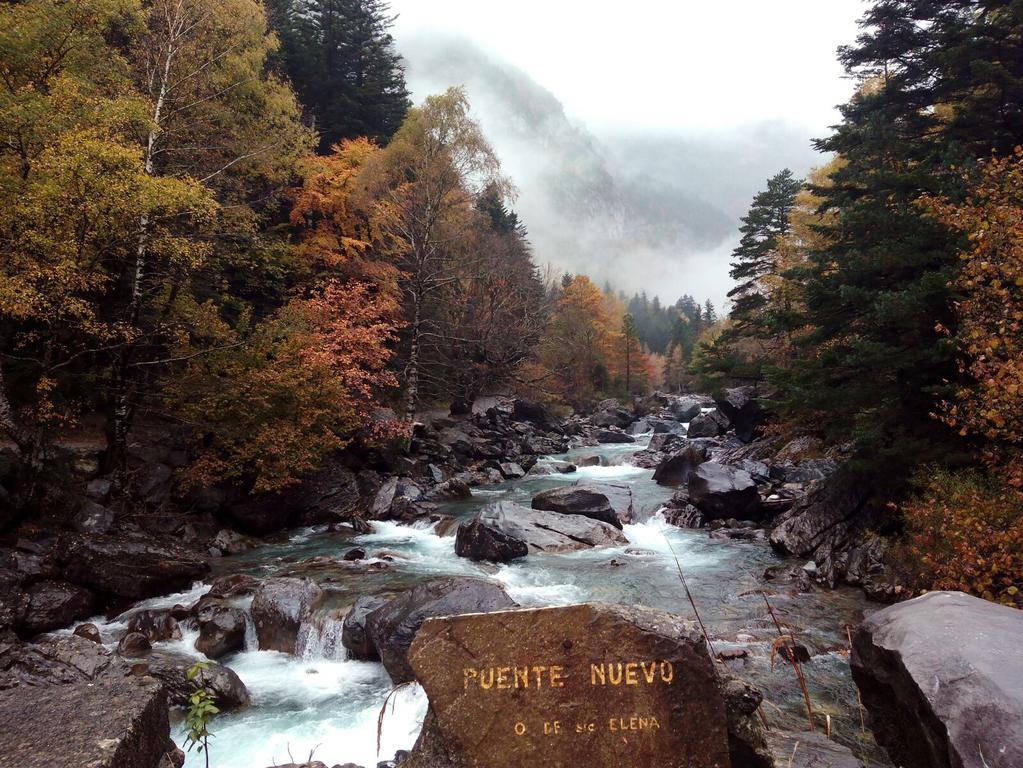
[(766, 222), (942, 85), (341, 59)]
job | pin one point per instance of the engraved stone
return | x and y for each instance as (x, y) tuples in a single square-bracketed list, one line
[(599, 686)]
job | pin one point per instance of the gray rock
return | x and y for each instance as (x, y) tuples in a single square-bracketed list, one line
[(611, 436), (393, 626), (156, 624), (115, 723), (674, 470), (578, 500), (477, 541), (722, 492), (510, 470), (354, 632), (742, 409), (171, 669), (708, 425), (612, 417), (618, 495), (279, 607), (942, 679), (809, 750), (687, 408), (56, 604), (93, 518), (550, 531), (221, 630)]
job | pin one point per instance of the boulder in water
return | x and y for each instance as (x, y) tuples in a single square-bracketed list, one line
[(477, 541), (709, 424), (171, 669), (612, 436), (279, 607), (393, 626), (156, 624), (354, 632), (687, 408), (942, 679), (132, 567), (674, 470), (612, 416), (133, 645), (549, 531), (642, 678), (742, 409), (221, 630), (722, 492), (578, 500)]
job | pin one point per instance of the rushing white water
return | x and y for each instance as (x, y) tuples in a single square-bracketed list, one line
[(321, 703)]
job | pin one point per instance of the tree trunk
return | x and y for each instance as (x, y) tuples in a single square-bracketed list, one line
[(412, 370)]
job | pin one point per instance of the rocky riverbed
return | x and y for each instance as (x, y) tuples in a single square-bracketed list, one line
[(310, 627)]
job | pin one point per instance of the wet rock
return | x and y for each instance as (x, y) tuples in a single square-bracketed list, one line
[(233, 543), (941, 677), (611, 436), (221, 630), (354, 633), (93, 518), (279, 607), (618, 495), (578, 500), (549, 531), (477, 541), (536, 414), (134, 645), (674, 470), (115, 723), (684, 515), (741, 407), (709, 424), (809, 750), (354, 554), (613, 416), (470, 721), (722, 492), (591, 460), (89, 632), (233, 586), (132, 567), (510, 470), (687, 408), (55, 604), (54, 660), (393, 626), (157, 625), (172, 670)]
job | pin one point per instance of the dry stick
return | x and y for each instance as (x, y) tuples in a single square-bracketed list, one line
[(692, 602), (790, 646), (859, 699), (383, 711)]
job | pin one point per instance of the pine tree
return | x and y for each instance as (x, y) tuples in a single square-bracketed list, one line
[(942, 85), (341, 59), (766, 222)]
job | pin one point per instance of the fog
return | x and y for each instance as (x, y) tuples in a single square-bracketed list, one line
[(638, 135)]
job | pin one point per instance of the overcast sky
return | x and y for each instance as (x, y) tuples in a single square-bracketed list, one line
[(711, 70), (661, 63)]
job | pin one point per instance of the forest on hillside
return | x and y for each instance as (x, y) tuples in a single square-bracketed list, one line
[(230, 215)]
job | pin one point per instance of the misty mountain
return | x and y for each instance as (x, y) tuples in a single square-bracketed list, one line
[(653, 213)]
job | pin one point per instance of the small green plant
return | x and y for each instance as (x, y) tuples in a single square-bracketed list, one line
[(201, 708)]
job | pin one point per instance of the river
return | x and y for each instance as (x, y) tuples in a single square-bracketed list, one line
[(322, 704)]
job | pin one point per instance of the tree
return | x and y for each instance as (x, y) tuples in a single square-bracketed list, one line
[(941, 86), (267, 409), (340, 56)]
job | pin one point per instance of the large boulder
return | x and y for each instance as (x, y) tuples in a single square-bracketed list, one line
[(222, 682), (535, 414), (583, 685), (114, 723), (55, 660), (55, 604), (355, 634), (612, 416), (709, 424), (942, 679), (157, 624), (131, 567), (221, 629), (578, 500), (477, 541), (743, 410), (613, 436), (721, 492), (393, 626), (619, 496), (279, 607), (687, 408), (549, 531), (674, 470)]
